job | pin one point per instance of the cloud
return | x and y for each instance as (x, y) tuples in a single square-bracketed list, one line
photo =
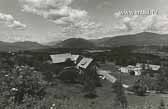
[(58, 11), (140, 23), (83, 29), (75, 22), (10, 21), (17, 25)]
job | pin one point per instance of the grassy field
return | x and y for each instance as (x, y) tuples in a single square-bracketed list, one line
[(138, 102), (72, 98), (67, 96)]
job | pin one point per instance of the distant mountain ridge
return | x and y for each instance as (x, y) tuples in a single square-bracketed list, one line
[(16, 46), (140, 39), (76, 43)]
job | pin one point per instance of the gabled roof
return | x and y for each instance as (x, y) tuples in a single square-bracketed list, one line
[(60, 58), (75, 58), (85, 62)]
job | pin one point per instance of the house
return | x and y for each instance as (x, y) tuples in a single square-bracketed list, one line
[(149, 66), (124, 70), (136, 70), (154, 67), (78, 61), (132, 70)]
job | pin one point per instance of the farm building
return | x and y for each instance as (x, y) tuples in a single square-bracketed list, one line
[(70, 61), (60, 58), (149, 66), (64, 59), (79, 61), (136, 70), (132, 70)]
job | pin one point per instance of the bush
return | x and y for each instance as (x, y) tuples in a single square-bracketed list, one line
[(140, 88), (70, 75), (120, 94), (21, 83)]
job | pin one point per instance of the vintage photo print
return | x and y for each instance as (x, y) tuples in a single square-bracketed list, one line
[(83, 54)]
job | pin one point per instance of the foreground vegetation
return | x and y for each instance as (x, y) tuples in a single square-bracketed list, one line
[(29, 81)]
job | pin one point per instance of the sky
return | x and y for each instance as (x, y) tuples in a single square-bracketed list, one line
[(46, 21)]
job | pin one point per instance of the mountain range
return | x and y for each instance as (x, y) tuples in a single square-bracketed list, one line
[(140, 39)]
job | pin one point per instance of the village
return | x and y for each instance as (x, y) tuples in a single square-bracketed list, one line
[(82, 63)]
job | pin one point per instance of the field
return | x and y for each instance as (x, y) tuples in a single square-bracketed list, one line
[(68, 96), (138, 102), (106, 98)]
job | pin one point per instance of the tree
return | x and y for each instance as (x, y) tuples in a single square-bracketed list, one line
[(69, 75), (162, 105), (89, 87), (140, 87), (162, 79), (91, 81), (161, 83), (120, 94)]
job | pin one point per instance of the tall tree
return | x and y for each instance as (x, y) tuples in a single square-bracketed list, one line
[(140, 87), (120, 94)]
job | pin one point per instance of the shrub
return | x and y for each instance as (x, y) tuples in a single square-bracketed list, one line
[(21, 83)]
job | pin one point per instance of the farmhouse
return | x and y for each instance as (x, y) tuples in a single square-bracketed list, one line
[(80, 62), (81, 65), (73, 66)]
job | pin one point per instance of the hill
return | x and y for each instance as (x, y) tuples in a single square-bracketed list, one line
[(16, 46), (140, 39), (76, 43)]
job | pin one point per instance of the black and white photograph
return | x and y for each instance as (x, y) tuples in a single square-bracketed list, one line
[(83, 54)]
